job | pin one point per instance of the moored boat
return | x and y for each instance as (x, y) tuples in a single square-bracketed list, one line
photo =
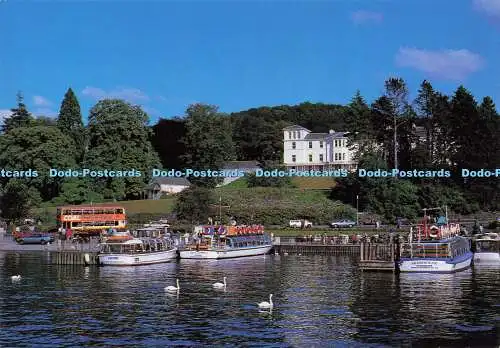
[(435, 248), (486, 248), (131, 251), (223, 242)]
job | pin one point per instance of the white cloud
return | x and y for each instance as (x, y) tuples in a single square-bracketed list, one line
[(4, 113), (41, 101), (132, 95), (447, 64), (363, 17), (490, 7)]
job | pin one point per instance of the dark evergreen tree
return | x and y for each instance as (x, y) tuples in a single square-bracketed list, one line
[(20, 116), (70, 121)]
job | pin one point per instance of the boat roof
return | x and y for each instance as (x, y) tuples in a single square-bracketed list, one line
[(94, 206), (127, 242), (488, 236)]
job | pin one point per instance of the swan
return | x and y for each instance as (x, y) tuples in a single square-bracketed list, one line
[(267, 304), (15, 277), (173, 288), (220, 285)]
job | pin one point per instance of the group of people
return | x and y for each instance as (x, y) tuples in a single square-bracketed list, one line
[(65, 234)]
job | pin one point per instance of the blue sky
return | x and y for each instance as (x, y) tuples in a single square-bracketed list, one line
[(165, 55)]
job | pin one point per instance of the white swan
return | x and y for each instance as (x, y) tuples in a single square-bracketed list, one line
[(173, 288), (267, 304), (15, 277), (220, 285)]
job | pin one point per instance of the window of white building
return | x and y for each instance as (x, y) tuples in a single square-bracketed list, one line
[(294, 145), (310, 144)]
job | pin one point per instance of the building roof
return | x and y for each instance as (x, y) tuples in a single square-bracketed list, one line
[(240, 165), (320, 136), (420, 132), (171, 181), (315, 136), (91, 206), (295, 127)]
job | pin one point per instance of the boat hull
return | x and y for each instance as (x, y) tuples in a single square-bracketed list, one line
[(428, 265), (225, 253), (486, 257), (137, 258)]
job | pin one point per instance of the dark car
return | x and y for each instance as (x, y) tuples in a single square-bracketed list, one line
[(35, 239)]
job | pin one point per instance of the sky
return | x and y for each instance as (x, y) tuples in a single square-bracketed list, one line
[(165, 55)]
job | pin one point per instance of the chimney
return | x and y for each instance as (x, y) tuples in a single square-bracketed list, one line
[(332, 131)]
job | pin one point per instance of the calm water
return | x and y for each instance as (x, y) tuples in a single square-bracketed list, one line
[(319, 301)]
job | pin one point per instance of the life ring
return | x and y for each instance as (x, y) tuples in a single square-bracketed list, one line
[(436, 234)]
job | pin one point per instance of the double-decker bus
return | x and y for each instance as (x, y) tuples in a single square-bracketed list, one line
[(91, 219)]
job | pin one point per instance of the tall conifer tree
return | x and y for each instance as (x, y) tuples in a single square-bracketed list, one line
[(20, 116), (70, 121)]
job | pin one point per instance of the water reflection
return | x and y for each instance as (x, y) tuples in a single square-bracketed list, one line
[(318, 301), (426, 308)]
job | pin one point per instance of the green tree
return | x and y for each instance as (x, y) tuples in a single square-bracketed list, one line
[(18, 199), (466, 127), (119, 139), (77, 191), (70, 121), (44, 121), (193, 204), (208, 142), (37, 148), (20, 116)]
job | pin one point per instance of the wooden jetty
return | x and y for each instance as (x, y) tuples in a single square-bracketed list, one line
[(317, 249), (372, 256), (85, 258), (378, 257)]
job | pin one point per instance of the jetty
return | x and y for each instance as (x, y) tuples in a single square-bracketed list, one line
[(372, 256)]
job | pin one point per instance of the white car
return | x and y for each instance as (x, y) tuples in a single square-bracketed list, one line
[(300, 224)]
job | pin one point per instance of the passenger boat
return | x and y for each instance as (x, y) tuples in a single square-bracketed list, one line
[(127, 250), (223, 242), (486, 248), (435, 248)]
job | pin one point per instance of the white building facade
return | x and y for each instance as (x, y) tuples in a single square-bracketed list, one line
[(304, 150)]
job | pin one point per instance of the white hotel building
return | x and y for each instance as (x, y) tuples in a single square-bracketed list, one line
[(304, 150)]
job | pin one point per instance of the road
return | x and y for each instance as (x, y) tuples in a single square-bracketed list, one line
[(8, 244)]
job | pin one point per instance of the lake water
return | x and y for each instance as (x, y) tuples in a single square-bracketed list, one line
[(319, 301)]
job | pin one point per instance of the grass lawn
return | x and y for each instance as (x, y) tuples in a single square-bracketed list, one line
[(147, 206), (302, 183)]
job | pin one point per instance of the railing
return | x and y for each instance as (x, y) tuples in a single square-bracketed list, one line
[(326, 240)]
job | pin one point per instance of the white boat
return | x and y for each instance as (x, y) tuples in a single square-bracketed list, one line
[(486, 248), (136, 251), (435, 249), (220, 242)]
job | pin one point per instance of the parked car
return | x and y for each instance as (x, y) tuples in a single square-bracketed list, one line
[(300, 224), (343, 223), (35, 239)]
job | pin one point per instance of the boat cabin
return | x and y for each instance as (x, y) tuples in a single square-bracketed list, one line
[(135, 245), (487, 243), (206, 242), (435, 250), (150, 232)]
